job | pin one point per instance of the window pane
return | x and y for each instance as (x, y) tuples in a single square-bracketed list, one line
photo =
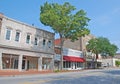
[(28, 39), (64, 64), (17, 36), (8, 32), (10, 61), (49, 44), (36, 41), (43, 42)]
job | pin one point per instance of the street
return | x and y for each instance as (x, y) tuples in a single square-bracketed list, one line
[(99, 76)]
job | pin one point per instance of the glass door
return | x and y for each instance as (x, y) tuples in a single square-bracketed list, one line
[(25, 64)]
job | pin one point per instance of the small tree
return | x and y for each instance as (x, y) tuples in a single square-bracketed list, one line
[(117, 63), (64, 22), (101, 46)]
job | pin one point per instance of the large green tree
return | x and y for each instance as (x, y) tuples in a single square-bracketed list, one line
[(101, 46), (64, 21)]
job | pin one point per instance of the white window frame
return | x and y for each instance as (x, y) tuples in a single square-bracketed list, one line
[(8, 34), (36, 41), (17, 39), (44, 42), (49, 44), (28, 41)]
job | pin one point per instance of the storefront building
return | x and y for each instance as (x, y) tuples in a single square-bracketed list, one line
[(79, 45), (25, 47), (72, 59)]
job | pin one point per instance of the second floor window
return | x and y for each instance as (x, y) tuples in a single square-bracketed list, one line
[(36, 41), (28, 38), (49, 44), (44, 42), (8, 33), (17, 37)]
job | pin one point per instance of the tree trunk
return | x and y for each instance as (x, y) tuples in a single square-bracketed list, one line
[(96, 61), (61, 51)]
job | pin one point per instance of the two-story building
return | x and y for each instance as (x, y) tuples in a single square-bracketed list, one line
[(24, 47), (78, 45)]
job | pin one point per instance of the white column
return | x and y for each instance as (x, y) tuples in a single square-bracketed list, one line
[(53, 61), (39, 63), (0, 61), (20, 63)]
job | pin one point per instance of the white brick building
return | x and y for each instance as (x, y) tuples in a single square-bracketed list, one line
[(24, 47)]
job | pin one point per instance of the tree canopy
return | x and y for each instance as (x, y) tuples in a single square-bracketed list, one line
[(102, 46), (63, 21)]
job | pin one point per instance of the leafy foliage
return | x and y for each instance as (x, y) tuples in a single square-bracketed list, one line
[(117, 63), (102, 46), (62, 20)]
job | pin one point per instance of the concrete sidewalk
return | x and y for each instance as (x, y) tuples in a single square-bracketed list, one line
[(7, 73), (15, 73)]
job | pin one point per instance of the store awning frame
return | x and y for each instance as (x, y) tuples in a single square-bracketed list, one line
[(73, 59)]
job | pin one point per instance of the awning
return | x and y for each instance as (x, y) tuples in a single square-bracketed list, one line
[(73, 59)]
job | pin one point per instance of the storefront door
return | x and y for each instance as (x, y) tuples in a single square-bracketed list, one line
[(73, 65), (25, 64)]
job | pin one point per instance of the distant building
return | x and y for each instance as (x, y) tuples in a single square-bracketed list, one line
[(79, 45), (24, 47), (110, 61), (117, 56)]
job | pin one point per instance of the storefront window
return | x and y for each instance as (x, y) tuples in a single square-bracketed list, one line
[(46, 63), (67, 64), (10, 61), (29, 62), (64, 64), (79, 64)]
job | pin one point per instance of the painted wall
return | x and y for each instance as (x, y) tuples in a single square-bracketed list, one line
[(71, 52), (24, 30)]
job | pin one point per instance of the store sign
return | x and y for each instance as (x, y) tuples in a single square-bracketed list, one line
[(71, 52)]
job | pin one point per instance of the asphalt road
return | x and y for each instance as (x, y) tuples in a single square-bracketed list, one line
[(104, 76)]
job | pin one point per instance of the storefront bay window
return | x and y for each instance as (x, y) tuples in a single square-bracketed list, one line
[(29, 62), (66, 64), (46, 63), (10, 61)]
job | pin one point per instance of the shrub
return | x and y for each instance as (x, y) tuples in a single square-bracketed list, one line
[(117, 63)]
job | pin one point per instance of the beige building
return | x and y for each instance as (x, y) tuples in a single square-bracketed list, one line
[(24, 47), (79, 45), (111, 61)]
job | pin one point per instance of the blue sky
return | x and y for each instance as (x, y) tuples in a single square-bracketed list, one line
[(104, 14)]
